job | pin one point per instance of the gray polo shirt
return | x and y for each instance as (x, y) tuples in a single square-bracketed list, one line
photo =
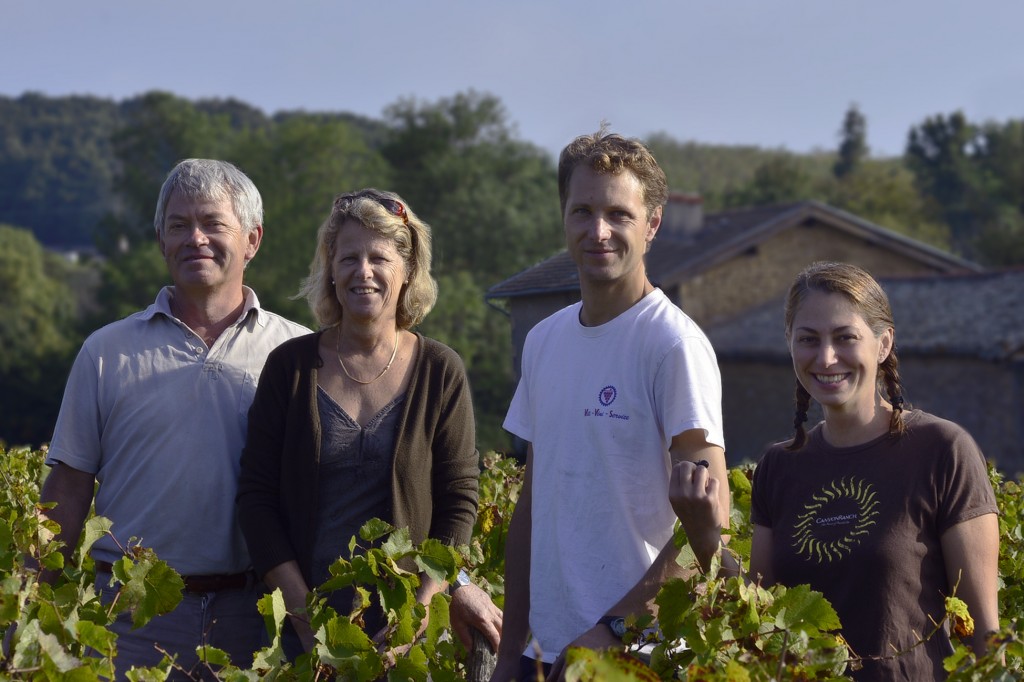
[(160, 419)]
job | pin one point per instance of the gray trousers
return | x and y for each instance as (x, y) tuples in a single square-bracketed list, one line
[(226, 619)]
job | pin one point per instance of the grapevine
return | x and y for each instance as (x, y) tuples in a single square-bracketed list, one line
[(709, 628)]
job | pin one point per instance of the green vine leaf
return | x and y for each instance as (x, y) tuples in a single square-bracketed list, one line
[(95, 528), (801, 608), (412, 667), (149, 587), (437, 560), (96, 637), (348, 649), (398, 545), (675, 602), (439, 622), (374, 529)]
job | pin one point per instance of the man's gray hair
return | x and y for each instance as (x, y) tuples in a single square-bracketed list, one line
[(212, 179)]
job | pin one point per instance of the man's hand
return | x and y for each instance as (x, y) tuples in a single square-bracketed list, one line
[(695, 499), (472, 608), (598, 638)]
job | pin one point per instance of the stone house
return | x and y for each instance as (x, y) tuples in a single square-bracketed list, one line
[(960, 342), (728, 269)]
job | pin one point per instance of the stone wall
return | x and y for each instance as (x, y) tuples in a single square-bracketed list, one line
[(757, 407), (527, 311), (986, 398), (765, 272)]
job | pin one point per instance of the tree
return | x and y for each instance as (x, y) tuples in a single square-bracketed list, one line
[(712, 171), (299, 165), (130, 281), (1000, 157), (780, 179), (37, 336), (974, 175), (500, 210), (1000, 238), (490, 198), (492, 202), (463, 320), (56, 165), (883, 191), (158, 130), (853, 147), (879, 190), (939, 154)]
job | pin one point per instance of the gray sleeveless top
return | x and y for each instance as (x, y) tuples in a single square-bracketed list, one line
[(354, 483)]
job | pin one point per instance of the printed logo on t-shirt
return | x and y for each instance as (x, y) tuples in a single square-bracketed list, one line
[(606, 396), (836, 520)]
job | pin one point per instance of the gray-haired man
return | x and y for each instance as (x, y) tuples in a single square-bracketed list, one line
[(155, 411)]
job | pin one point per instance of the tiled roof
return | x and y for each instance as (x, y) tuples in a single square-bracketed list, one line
[(978, 315), (554, 274), (671, 254), (722, 235)]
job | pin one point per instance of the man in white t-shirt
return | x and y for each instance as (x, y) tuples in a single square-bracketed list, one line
[(615, 391)]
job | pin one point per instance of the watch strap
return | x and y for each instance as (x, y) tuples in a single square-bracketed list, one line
[(460, 581), (617, 624)]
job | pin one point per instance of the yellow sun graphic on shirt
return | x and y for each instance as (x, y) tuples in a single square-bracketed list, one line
[(806, 542)]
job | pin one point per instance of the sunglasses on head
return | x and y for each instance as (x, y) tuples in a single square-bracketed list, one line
[(392, 206)]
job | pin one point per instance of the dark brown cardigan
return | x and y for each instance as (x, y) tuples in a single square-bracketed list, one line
[(435, 465)]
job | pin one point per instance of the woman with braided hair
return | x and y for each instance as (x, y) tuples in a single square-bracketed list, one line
[(883, 509)]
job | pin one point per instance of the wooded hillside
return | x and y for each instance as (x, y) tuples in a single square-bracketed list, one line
[(84, 172)]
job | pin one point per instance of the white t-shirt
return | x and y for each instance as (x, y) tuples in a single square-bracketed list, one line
[(161, 420), (600, 406)]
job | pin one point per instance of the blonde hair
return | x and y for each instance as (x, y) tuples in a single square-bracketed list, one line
[(389, 216)]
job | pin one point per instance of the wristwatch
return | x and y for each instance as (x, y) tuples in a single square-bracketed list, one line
[(460, 581), (617, 624)]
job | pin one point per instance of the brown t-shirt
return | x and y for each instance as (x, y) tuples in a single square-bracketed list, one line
[(862, 525)]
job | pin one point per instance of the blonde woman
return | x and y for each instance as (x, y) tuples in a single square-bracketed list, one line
[(364, 418)]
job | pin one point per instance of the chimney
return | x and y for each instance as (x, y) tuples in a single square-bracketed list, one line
[(683, 216)]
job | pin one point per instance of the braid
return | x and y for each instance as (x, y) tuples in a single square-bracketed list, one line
[(890, 369), (868, 298), (803, 403)]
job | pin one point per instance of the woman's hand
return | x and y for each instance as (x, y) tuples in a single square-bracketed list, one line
[(424, 594), (288, 578), (392, 654)]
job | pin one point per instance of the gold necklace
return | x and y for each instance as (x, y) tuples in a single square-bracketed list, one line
[(382, 372)]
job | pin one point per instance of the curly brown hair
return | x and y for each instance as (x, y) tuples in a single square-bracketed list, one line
[(606, 152)]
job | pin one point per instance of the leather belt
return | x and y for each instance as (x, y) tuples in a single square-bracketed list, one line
[(202, 583)]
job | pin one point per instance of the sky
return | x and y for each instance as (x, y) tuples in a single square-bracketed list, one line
[(772, 73)]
